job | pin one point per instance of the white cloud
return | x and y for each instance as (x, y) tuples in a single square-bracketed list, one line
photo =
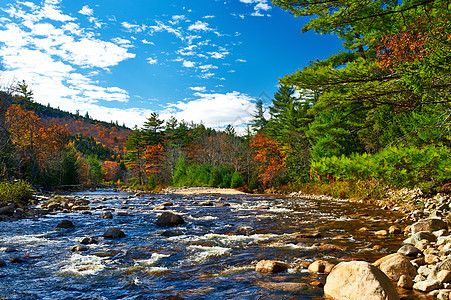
[(214, 110), (123, 42), (146, 42), (260, 6), (199, 26), (86, 11), (152, 61), (241, 60), (218, 55), (198, 88), (188, 64), (45, 56)]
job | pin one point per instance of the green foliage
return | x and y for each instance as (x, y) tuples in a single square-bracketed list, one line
[(394, 166), (15, 192), (205, 175), (237, 180)]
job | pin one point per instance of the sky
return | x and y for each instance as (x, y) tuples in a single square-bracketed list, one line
[(206, 61)]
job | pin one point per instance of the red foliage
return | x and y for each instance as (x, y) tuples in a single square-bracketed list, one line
[(269, 157)]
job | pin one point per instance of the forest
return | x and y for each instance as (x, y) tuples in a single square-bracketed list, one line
[(376, 115)]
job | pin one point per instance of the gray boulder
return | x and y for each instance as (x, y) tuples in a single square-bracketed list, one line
[(169, 219), (113, 233), (431, 225), (65, 224), (359, 280)]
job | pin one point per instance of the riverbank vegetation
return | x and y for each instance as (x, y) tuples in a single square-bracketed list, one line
[(374, 116)]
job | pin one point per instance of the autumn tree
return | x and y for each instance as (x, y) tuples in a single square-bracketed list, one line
[(269, 156)]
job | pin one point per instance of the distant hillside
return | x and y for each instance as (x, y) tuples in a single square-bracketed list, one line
[(90, 136)]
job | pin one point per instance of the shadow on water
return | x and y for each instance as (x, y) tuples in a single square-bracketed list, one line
[(211, 256)]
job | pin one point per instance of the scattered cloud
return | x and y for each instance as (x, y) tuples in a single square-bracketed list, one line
[(86, 11), (241, 60), (188, 64), (152, 61), (260, 7), (198, 88), (214, 110), (199, 26)]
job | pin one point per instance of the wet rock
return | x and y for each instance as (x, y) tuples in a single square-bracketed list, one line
[(427, 285), (321, 266), (378, 247), (432, 224), (206, 203), (270, 266), (107, 215), (65, 224), (317, 283), (331, 247), (7, 210), (16, 260), (161, 207), (395, 265), (222, 204), (165, 204), (359, 280), (308, 235), (87, 241), (409, 250), (291, 287), (405, 282), (169, 233), (394, 230), (2, 263), (122, 214), (423, 235), (169, 219), (80, 208), (79, 248), (381, 232), (113, 233)]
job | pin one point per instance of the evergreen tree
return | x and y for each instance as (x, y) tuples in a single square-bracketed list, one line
[(258, 121)]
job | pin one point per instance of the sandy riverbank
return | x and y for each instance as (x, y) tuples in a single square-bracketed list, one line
[(201, 191)]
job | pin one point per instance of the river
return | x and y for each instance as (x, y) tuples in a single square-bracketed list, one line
[(212, 256)]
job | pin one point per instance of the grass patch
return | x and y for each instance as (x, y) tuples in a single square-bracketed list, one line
[(19, 192), (355, 190)]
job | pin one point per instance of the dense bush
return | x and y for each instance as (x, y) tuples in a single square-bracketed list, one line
[(205, 175), (395, 166), (15, 192)]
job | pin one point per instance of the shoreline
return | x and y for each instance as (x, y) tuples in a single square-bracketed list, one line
[(201, 191)]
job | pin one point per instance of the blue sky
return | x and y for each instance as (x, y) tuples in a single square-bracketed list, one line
[(199, 60)]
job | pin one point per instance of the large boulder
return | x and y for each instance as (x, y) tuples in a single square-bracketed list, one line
[(65, 224), (423, 235), (431, 225), (359, 280), (7, 210), (169, 219), (270, 266), (395, 265), (113, 233), (409, 250)]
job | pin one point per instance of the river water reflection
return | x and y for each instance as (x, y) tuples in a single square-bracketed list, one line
[(212, 256)]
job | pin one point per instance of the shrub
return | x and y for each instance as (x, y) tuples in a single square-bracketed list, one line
[(15, 192), (394, 166)]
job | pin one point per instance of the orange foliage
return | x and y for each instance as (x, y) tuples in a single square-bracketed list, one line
[(110, 169), (154, 158), (269, 157)]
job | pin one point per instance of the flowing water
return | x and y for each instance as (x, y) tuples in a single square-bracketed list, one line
[(212, 256)]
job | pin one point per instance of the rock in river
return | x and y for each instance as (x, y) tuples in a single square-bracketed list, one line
[(395, 265), (270, 266), (114, 233), (79, 248), (359, 280), (65, 224), (107, 215), (432, 224), (169, 219)]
